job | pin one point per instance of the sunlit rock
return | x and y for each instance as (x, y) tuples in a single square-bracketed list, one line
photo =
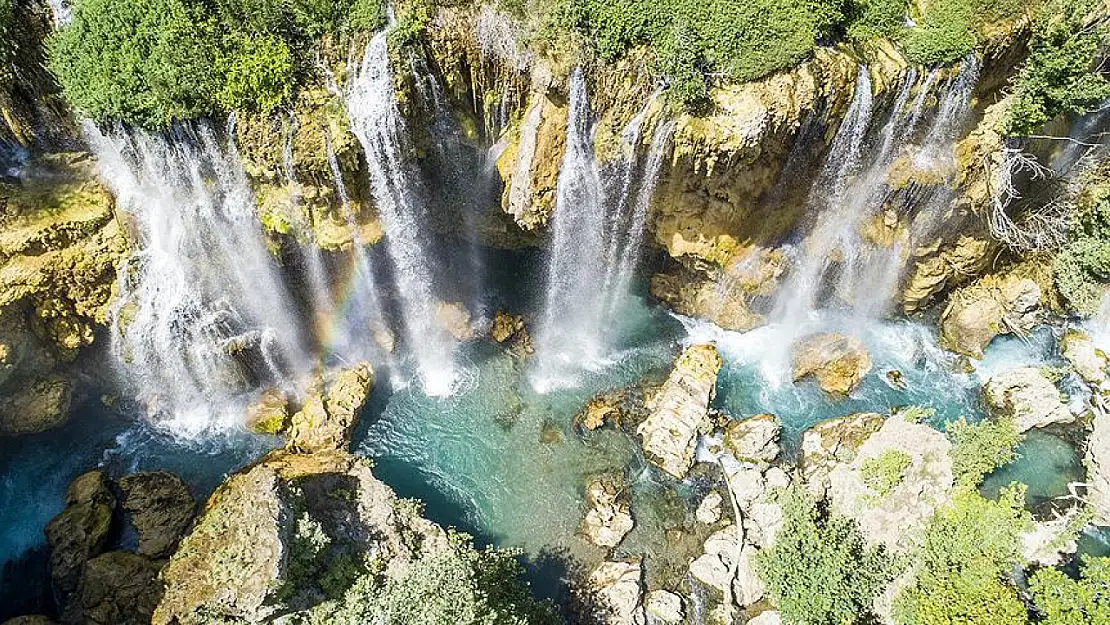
[(600, 409), (455, 318), (754, 439), (687, 295), (770, 617), (838, 362), (665, 606), (330, 409), (832, 443), (269, 414), (1088, 361), (617, 589), (680, 410), (1048, 542), (160, 507), (892, 507), (727, 565), (1097, 461), (511, 329), (709, 510), (609, 517), (992, 306), (79, 532), (1028, 397), (940, 268)]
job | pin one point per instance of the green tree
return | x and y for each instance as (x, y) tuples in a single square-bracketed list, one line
[(1061, 74), (970, 548), (979, 448), (945, 33), (1082, 267), (820, 571), (1061, 600)]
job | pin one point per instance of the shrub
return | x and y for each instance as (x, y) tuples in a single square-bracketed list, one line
[(1061, 600), (869, 19), (1060, 75), (885, 471), (979, 448), (258, 74), (1082, 267), (970, 547), (944, 34), (819, 571)]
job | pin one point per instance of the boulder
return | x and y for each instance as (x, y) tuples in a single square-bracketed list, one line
[(893, 510), (1097, 461), (680, 410), (832, 443), (686, 295), (118, 588), (665, 606), (1028, 397), (754, 439), (1047, 542), (755, 491), (509, 328), (609, 517), (160, 507), (618, 591), (269, 414), (79, 532), (838, 362), (1088, 361), (709, 510), (770, 617), (331, 409), (992, 306), (727, 564), (455, 318), (39, 406), (600, 409)]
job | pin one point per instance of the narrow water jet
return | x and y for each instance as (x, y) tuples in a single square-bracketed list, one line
[(376, 121), (203, 316)]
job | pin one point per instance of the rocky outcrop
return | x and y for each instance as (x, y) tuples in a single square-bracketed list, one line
[(609, 516), (1028, 397), (832, 443), (687, 294), (755, 490), (529, 166), (838, 362), (1097, 461), (330, 409), (900, 475), (616, 590), (117, 588), (510, 329), (709, 510), (664, 606), (1080, 351), (269, 414), (160, 507), (727, 566), (79, 532), (991, 306), (754, 439), (680, 410)]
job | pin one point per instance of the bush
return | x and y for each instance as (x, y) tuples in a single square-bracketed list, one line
[(819, 571), (884, 472), (1082, 267), (258, 74), (970, 547), (869, 19), (1060, 75), (980, 448), (1061, 600), (944, 34)]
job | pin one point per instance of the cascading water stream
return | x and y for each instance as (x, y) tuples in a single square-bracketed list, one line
[(376, 121), (203, 315)]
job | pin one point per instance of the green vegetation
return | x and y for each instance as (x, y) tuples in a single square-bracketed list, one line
[(883, 473), (149, 62), (1060, 75), (819, 571), (460, 586), (1061, 600), (876, 18), (945, 33), (979, 448), (1082, 268), (971, 546)]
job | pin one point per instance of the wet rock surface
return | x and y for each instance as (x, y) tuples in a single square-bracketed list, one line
[(1080, 351), (330, 409), (609, 517), (1028, 397), (80, 532), (990, 307), (161, 509), (754, 439), (838, 362), (118, 588)]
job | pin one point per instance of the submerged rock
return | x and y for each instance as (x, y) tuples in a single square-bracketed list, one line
[(754, 439), (161, 509), (1088, 361), (509, 328), (617, 590), (1026, 396), (455, 318), (609, 517), (79, 532), (992, 306), (600, 409), (665, 606), (680, 411), (331, 409), (838, 362)]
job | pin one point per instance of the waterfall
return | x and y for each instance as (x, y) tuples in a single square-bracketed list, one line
[(310, 254), (597, 238), (203, 316), (376, 121)]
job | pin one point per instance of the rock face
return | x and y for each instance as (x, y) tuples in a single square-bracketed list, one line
[(118, 588), (727, 564), (79, 532), (617, 589), (709, 510), (894, 509), (838, 362), (1026, 396), (687, 295), (680, 411), (1097, 461), (330, 409), (832, 443), (609, 517), (270, 414), (754, 439), (161, 509), (1088, 361), (989, 307), (665, 606)]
